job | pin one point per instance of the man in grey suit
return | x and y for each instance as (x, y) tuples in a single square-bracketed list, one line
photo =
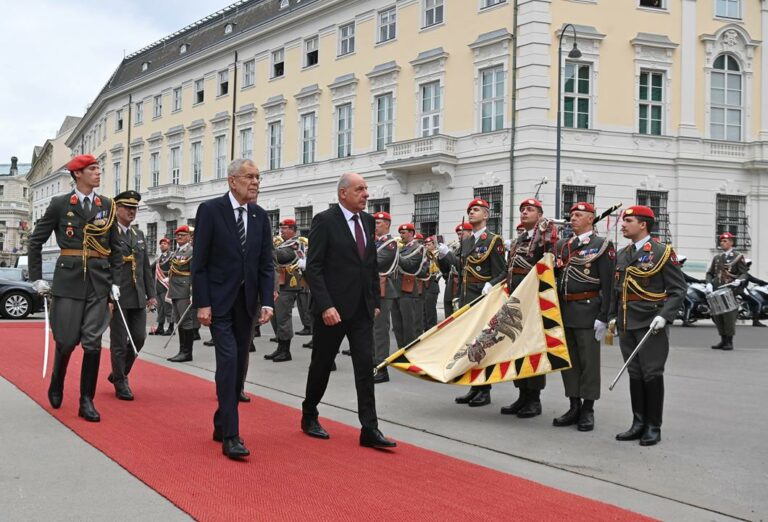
[(137, 291), (87, 272), (160, 269)]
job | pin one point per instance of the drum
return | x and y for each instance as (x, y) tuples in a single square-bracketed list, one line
[(722, 301)]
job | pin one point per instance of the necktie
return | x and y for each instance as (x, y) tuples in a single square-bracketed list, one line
[(87, 204), (359, 236), (241, 227)]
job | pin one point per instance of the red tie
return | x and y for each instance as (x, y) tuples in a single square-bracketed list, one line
[(359, 236)]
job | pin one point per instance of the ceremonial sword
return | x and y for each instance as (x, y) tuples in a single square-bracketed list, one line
[(176, 328), (47, 334), (632, 356), (128, 331)]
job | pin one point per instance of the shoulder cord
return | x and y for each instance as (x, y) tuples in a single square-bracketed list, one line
[(630, 283)]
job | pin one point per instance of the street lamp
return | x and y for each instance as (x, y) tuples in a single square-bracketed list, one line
[(574, 53)]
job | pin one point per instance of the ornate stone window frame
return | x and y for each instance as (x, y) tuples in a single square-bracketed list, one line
[(654, 53), (490, 50), (383, 80), (588, 39), (429, 66)]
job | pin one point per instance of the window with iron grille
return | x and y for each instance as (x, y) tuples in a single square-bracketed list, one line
[(574, 194), (303, 219), (495, 198), (152, 238), (378, 205), (426, 213), (657, 200), (170, 229), (732, 217), (274, 220)]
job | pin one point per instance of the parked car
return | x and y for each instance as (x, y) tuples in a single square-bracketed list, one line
[(18, 299), (12, 274)]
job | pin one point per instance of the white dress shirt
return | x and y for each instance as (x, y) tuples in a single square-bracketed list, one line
[(235, 206), (351, 224), (639, 244), (81, 197)]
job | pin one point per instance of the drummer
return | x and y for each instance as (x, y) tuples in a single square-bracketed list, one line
[(728, 271)]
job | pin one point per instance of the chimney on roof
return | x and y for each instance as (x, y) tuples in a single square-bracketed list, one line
[(14, 166)]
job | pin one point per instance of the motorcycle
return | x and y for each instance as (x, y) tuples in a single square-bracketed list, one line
[(754, 303), (695, 306)]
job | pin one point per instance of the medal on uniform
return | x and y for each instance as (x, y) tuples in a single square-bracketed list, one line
[(70, 214), (586, 271), (293, 282), (73, 199), (70, 232)]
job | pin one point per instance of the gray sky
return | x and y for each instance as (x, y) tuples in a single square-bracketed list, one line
[(56, 56)]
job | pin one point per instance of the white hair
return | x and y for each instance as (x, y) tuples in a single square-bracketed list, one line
[(345, 180), (237, 164)]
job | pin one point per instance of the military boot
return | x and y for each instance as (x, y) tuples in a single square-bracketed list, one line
[(637, 396), (56, 388), (571, 416), (283, 351), (88, 376), (654, 406)]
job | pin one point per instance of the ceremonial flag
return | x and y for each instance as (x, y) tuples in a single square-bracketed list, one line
[(496, 338)]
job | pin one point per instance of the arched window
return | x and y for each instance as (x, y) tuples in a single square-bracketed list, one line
[(726, 100)]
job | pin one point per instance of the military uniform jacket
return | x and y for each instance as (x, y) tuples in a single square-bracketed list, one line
[(585, 269), (387, 256), (180, 274), (136, 278), (727, 268), (69, 221), (525, 252), (164, 260), (432, 282), (647, 283), (450, 270), (288, 276), (412, 265), (483, 263)]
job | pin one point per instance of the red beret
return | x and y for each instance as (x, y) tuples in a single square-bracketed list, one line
[(583, 206), (288, 222), (431, 239), (80, 162), (640, 211), (383, 215), (419, 235), (478, 202), (532, 202), (406, 226), (165, 240), (463, 226), (183, 229), (727, 235)]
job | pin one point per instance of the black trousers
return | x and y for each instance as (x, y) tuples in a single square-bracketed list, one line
[(326, 342), (231, 333), (120, 350)]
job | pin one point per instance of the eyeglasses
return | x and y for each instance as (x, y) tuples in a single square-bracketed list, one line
[(250, 177)]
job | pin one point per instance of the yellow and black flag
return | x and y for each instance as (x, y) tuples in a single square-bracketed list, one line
[(496, 338)]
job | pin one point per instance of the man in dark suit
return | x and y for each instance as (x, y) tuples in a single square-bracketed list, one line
[(137, 291), (343, 277), (232, 275)]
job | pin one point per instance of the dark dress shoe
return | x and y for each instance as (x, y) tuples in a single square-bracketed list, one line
[(381, 376), (307, 345), (181, 357), (234, 448), (532, 408), (651, 435), (55, 398), (252, 348), (158, 331), (111, 378), (313, 428), (481, 398), (273, 339), (196, 334), (464, 399), (374, 439), (282, 357), (304, 331), (758, 324), (123, 391), (209, 343), (243, 397), (586, 421), (87, 410), (333, 366), (515, 407), (346, 352), (270, 356), (168, 332)]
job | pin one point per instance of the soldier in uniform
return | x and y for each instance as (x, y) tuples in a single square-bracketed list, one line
[(538, 236), (387, 253), (482, 255), (159, 269), (87, 272), (449, 271), (410, 266), (180, 293), (728, 269), (648, 291), (137, 292), (431, 284), (290, 263), (585, 267)]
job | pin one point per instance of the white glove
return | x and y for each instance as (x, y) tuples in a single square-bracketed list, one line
[(600, 328), (302, 262), (658, 323), (508, 244), (709, 288), (735, 284), (115, 293), (442, 250), (41, 286), (487, 288)]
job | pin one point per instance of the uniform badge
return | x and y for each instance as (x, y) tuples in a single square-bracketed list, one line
[(588, 265), (647, 247), (673, 258), (70, 214), (97, 201), (100, 222), (483, 236), (586, 271), (73, 199), (611, 253), (70, 232)]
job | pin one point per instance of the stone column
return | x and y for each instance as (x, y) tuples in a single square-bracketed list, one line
[(689, 66)]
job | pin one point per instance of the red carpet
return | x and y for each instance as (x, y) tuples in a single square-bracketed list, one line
[(164, 439)]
